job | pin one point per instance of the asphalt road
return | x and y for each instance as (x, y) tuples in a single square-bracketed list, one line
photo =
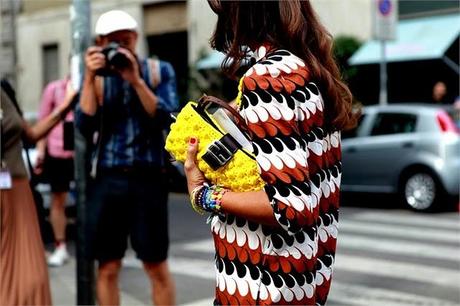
[(386, 256)]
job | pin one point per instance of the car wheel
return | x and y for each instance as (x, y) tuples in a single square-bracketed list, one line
[(420, 191)]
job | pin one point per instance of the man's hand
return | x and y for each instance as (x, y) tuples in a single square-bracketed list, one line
[(94, 60), (130, 73)]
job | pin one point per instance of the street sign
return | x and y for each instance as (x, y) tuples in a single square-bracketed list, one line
[(385, 17)]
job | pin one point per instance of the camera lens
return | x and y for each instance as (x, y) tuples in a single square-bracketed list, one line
[(114, 59), (117, 59)]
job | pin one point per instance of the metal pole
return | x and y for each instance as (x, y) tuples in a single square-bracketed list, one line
[(383, 98), (80, 17), (14, 76)]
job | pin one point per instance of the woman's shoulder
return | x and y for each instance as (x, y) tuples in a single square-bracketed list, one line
[(278, 70)]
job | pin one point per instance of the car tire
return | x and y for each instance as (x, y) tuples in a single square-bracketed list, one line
[(421, 191)]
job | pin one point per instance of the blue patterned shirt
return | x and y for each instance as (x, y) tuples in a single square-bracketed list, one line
[(130, 137)]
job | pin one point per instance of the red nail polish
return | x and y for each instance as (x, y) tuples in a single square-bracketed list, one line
[(192, 140)]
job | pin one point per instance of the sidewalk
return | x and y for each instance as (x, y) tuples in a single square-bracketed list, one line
[(63, 286), (194, 281), (193, 271)]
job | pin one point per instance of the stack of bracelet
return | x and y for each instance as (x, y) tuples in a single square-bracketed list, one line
[(207, 198)]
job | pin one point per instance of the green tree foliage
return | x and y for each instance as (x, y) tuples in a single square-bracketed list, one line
[(343, 49)]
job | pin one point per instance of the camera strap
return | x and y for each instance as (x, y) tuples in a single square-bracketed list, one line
[(100, 132), (153, 67)]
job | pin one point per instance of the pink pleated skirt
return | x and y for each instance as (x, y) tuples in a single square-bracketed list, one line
[(23, 270)]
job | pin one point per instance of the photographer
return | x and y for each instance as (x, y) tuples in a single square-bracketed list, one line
[(125, 99)]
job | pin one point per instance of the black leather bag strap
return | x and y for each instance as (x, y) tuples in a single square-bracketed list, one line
[(205, 100)]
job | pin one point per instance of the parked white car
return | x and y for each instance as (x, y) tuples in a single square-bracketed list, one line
[(409, 149)]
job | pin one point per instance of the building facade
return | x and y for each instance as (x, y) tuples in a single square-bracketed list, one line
[(177, 31)]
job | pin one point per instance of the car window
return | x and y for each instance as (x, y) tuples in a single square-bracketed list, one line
[(352, 133), (393, 123), (454, 114)]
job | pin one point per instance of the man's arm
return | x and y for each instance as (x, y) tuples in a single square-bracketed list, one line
[(131, 74), (148, 99)]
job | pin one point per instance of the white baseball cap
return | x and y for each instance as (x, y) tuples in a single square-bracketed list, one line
[(113, 21)]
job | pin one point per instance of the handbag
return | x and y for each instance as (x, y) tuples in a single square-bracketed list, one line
[(220, 157)]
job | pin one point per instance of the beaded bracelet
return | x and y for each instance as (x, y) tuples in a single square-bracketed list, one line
[(194, 199), (214, 198), (207, 198)]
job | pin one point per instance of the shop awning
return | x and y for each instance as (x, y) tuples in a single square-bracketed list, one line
[(417, 39), (212, 61)]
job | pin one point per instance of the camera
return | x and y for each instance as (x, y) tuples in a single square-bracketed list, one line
[(114, 59)]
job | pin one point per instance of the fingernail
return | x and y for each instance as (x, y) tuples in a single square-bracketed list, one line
[(192, 140)]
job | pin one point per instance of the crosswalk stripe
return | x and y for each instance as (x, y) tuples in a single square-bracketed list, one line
[(391, 246), (403, 271), (192, 267), (357, 295), (203, 302), (400, 231), (347, 263), (351, 294), (410, 219), (203, 246), (363, 243)]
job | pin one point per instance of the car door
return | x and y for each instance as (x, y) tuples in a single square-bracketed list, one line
[(350, 160), (379, 157)]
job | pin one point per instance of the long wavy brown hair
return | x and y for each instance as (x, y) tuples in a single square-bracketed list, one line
[(284, 24)]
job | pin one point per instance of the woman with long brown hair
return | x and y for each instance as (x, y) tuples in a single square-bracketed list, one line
[(277, 246)]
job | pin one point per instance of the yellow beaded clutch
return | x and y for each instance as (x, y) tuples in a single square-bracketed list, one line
[(219, 157)]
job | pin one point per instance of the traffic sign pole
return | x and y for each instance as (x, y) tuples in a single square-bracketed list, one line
[(385, 19), (383, 96)]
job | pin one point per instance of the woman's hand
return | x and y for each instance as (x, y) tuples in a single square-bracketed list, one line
[(193, 174), (70, 94), (66, 105), (38, 168)]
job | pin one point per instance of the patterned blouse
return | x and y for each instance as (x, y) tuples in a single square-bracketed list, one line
[(300, 161)]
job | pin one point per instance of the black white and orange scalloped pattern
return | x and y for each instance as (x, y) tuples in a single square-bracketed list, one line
[(300, 161)]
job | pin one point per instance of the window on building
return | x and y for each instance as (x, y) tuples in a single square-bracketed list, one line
[(50, 55), (173, 47), (392, 123)]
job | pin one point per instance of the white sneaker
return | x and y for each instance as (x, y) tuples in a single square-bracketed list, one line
[(59, 257)]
